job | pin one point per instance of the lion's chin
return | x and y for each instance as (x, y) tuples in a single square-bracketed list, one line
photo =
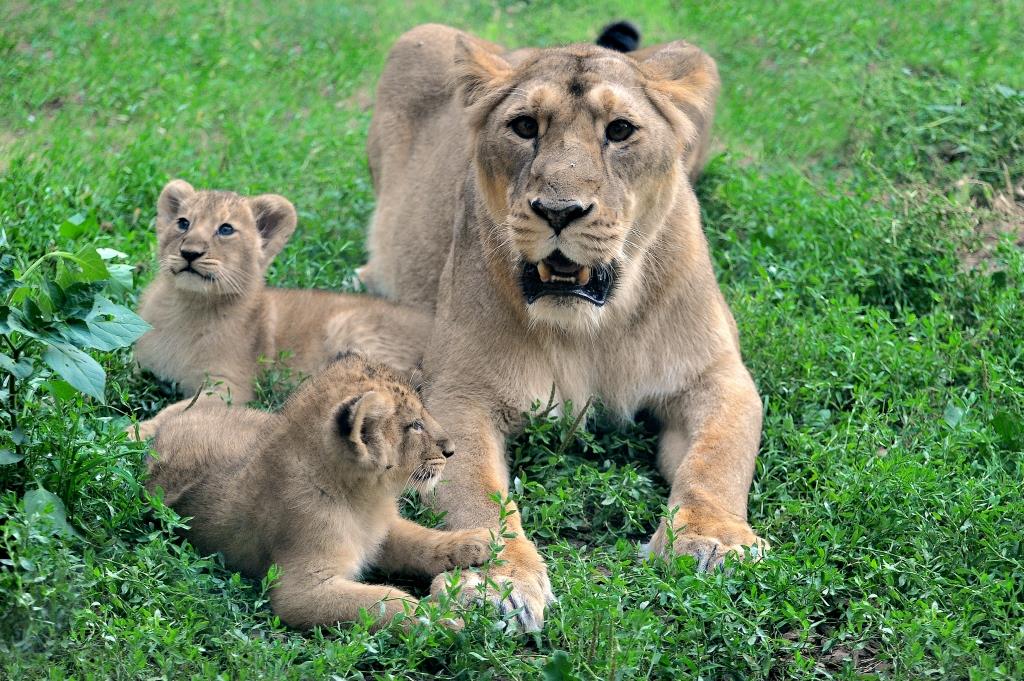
[(193, 281), (569, 314), (426, 486)]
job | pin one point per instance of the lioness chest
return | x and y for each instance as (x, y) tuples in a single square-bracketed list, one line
[(624, 374)]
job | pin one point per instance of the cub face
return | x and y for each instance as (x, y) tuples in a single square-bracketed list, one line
[(579, 152), (375, 423), (218, 243)]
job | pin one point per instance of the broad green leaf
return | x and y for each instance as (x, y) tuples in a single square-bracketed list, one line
[(21, 369), (16, 322), (93, 267), (7, 457), (79, 299), (61, 390), (78, 334), (77, 225), (77, 368), (107, 327), (7, 281), (46, 508), (18, 295), (121, 277)]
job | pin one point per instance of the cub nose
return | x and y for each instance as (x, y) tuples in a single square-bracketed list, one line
[(191, 255), (559, 214)]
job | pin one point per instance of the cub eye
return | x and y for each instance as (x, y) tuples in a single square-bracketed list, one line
[(619, 130), (524, 126), (183, 224), (225, 230), (416, 426)]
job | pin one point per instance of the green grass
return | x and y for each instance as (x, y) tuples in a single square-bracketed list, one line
[(861, 151)]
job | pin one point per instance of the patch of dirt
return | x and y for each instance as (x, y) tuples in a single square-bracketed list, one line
[(1003, 216), (863, 659)]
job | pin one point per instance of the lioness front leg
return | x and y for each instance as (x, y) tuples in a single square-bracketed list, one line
[(471, 477), (707, 450), (414, 549), (314, 591)]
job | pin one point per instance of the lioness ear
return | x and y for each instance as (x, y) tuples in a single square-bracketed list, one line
[(478, 71), (275, 220), (174, 193), (687, 77), (358, 421)]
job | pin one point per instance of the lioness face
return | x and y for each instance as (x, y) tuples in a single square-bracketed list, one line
[(579, 155), (219, 243)]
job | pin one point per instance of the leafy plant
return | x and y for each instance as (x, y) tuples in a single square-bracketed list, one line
[(53, 312)]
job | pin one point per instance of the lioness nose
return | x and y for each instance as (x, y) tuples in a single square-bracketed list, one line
[(446, 448), (559, 214), (191, 255)]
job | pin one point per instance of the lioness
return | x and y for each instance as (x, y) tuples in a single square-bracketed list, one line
[(313, 489), (543, 198), (213, 317)]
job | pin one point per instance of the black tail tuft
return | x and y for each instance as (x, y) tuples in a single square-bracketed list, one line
[(621, 36)]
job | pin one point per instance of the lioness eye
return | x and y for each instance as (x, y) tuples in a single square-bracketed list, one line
[(619, 130), (416, 426), (524, 126), (225, 230), (183, 224)]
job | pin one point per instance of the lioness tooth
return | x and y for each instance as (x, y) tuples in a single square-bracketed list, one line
[(544, 271), (583, 276)]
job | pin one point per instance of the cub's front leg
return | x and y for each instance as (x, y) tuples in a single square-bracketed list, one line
[(707, 449), (413, 549), (318, 590)]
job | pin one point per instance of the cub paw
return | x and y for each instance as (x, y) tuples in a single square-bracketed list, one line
[(466, 549)]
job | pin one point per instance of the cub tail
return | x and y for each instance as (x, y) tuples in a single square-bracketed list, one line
[(621, 36)]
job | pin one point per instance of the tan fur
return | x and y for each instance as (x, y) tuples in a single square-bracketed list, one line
[(313, 489), (214, 326), (453, 189)]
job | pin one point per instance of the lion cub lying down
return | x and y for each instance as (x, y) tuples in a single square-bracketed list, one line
[(313, 489), (213, 318)]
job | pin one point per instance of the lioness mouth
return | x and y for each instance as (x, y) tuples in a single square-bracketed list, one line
[(556, 275)]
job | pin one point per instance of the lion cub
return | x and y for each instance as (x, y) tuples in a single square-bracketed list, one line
[(213, 317), (313, 489)]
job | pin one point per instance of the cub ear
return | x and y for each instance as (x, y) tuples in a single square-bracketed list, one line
[(174, 193), (479, 72), (275, 220), (359, 421), (687, 76)]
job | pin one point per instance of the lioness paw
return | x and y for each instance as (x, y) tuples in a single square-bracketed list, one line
[(709, 549), (519, 588)]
